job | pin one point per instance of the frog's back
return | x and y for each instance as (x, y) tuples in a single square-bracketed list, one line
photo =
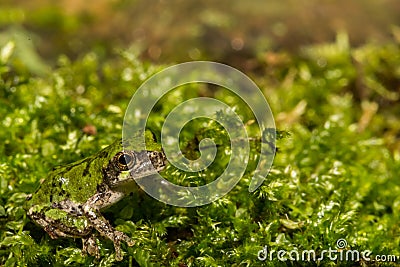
[(77, 181)]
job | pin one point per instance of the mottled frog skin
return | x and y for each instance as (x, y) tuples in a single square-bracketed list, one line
[(69, 201)]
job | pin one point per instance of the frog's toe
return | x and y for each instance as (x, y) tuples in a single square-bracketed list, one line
[(118, 236), (118, 253), (90, 246), (126, 239)]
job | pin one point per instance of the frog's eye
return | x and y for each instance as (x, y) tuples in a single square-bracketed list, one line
[(125, 160)]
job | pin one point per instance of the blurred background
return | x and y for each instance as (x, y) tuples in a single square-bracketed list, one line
[(230, 31)]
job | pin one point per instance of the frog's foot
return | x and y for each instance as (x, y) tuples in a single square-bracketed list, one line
[(89, 246), (117, 237)]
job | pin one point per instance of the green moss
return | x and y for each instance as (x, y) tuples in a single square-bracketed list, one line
[(335, 175)]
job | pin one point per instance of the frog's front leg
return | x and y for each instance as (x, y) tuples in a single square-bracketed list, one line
[(91, 210)]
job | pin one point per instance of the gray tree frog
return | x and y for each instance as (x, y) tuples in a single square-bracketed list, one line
[(69, 201)]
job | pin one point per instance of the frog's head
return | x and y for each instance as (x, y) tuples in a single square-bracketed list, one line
[(128, 165), (129, 159)]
